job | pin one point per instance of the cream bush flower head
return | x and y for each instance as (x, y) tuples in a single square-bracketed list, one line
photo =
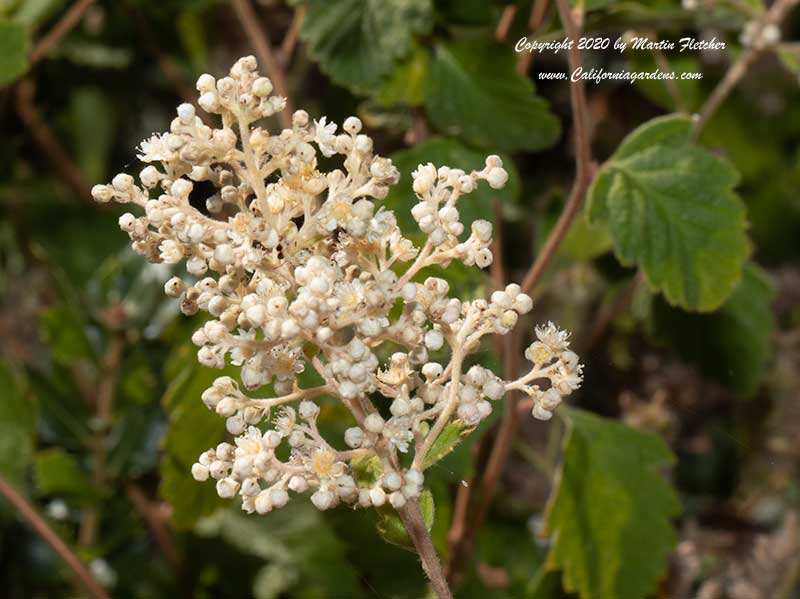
[(297, 269)]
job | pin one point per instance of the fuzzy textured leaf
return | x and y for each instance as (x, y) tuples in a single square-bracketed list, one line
[(671, 209), (358, 42), (609, 516), (14, 44), (445, 443), (475, 92)]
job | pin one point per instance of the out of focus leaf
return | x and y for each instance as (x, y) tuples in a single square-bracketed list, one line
[(14, 44), (586, 241), (95, 55), (57, 472), (306, 559), (391, 527), (446, 442), (192, 430), (475, 92), (671, 209), (733, 343), (91, 123), (358, 42), (448, 152), (193, 37), (17, 426), (407, 83), (66, 335), (609, 516), (32, 12)]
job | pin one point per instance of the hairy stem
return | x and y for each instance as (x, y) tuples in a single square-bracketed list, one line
[(412, 519), (49, 536)]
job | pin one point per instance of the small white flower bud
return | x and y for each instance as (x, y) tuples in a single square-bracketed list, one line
[(298, 484), (354, 437), (186, 113), (323, 500), (308, 410), (377, 496), (227, 488), (497, 177), (206, 83), (181, 188), (374, 423), (279, 497), (434, 340), (102, 193), (262, 87), (199, 472), (397, 500), (352, 125), (392, 481)]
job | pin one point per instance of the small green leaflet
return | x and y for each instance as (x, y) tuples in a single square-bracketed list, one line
[(671, 209), (609, 516), (446, 442)]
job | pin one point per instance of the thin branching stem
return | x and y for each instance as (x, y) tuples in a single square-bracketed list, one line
[(64, 25)]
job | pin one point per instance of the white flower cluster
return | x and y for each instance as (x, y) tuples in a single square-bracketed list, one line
[(297, 269)]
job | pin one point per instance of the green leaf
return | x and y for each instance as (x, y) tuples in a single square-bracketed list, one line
[(475, 92), (57, 472), (407, 83), (366, 470), (66, 335), (732, 344), (585, 241), (192, 430), (358, 42), (305, 559), (391, 527), (609, 516), (17, 426), (91, 122), (14, 45), (446, 442), (442, 151), (671, 209)]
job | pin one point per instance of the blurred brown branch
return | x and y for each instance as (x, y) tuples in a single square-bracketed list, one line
[(42, 135), (49, 536), (59, 30)]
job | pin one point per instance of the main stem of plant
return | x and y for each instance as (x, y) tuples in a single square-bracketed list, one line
[(412, 519)]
